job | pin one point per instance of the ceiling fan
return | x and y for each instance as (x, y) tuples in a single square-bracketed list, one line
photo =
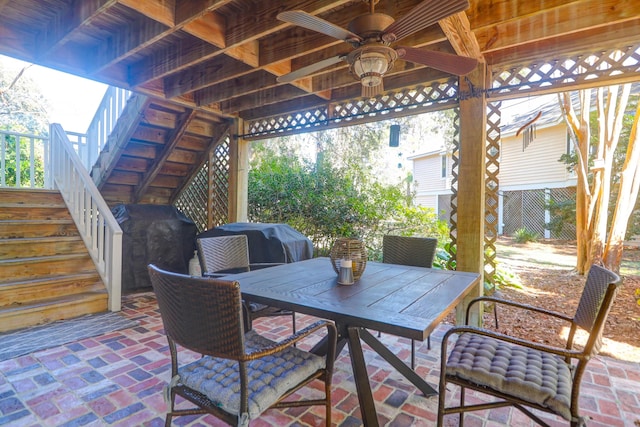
[(371, 36)]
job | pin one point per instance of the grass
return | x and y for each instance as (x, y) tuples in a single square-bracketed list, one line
[(630, 268)]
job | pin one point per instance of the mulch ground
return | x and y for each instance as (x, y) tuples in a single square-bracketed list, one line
[(559, 289)]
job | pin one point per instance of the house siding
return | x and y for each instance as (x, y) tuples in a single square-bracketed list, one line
[(426, 175), (538, 164)]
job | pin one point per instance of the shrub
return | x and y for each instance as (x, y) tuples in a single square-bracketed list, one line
[(524, 236)]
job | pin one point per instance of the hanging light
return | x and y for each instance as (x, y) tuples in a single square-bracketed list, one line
[(370, 63)]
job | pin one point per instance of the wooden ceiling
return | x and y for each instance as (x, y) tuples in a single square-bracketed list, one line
[(224, 56)]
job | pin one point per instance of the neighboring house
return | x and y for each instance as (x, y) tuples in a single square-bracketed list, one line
[(530, 174)]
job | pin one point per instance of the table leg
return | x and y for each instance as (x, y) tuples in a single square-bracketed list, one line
[(397, 363), (361, 376)]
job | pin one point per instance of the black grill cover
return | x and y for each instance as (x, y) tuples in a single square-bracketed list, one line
[(153, 234), (268, 243)]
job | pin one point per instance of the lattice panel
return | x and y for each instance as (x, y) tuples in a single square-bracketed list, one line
[(385, 106), (455, 166), (524, 209), (492, 157), (192, 201), (219, 184), (511, 212), (569, 71), (568, 231)]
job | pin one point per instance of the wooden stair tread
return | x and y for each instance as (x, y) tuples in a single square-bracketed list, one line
[(57, 301), (46, 272), (35, 221), (39, 259), (81, 276), (47, 310), (47, 239)]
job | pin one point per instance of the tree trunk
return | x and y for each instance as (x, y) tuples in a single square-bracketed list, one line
[(627, 196)]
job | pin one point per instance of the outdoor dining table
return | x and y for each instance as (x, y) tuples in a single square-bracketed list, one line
[(396, 299)]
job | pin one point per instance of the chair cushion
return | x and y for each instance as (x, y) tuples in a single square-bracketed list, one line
[(529, 374), (269, 377)]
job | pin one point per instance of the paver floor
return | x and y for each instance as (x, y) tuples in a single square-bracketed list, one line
[(116, 379)]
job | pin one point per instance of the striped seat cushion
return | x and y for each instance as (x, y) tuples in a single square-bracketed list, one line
[(269, 377), (533, 376)]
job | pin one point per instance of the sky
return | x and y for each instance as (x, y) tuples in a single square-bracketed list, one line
[(73, 100)]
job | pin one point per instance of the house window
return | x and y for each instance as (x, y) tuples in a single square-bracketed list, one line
[(443, 166)]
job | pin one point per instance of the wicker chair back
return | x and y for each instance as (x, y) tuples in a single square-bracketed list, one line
[(205, 321), (590, 314), (223, 253), (415, 251)]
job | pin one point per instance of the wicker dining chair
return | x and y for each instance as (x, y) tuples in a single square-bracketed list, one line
[(224, 255), (240, 374), (415, 251), (522, 373)]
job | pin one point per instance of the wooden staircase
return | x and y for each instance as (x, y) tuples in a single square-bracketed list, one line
[(154, 150), (46, 273)]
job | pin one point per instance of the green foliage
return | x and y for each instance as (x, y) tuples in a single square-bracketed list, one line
[(522, 235), (22, 107), (325, 202), (562, 212), (22, 110), (11, 164), (505, 277)]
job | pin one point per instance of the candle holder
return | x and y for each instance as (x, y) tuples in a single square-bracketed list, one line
[(351, 249)]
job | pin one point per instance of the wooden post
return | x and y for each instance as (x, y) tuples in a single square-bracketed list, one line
[(471, 184), (238, 174)]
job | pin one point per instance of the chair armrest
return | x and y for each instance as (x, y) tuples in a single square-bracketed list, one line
[(291, 340), (517, 305)]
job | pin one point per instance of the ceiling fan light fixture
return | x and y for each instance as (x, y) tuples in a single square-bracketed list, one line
[(370, 63)]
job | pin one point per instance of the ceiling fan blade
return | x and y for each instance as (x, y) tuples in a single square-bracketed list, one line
[(309, 69), (454, 64), (423, 15), (310, 22)]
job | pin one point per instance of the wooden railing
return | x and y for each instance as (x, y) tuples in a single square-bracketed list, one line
[(103, 122), (99, 229), (23, 160)]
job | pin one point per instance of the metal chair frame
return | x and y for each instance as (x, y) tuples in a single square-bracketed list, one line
[(591, 314), (223, 255), (204, 315)]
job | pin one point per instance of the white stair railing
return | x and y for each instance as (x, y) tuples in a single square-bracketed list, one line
[(98, 227), (107, 114)]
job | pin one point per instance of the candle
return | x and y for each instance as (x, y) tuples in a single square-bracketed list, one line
[(346, 263)]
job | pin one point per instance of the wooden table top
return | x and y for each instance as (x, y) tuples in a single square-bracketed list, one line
[(397, 299)]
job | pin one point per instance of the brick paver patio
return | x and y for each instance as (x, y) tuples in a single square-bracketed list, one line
[(116, 379)]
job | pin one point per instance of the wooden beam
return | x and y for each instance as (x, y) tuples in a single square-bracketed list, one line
[(238, 175), (190, 11), (159, 11), (230, 88), (292, 105), (264, 97), (238, 35), (182, 122), (550, 23), (458, 30), (615, 35), (127, 41), (59, 31), (218, 69), (471, 183)]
